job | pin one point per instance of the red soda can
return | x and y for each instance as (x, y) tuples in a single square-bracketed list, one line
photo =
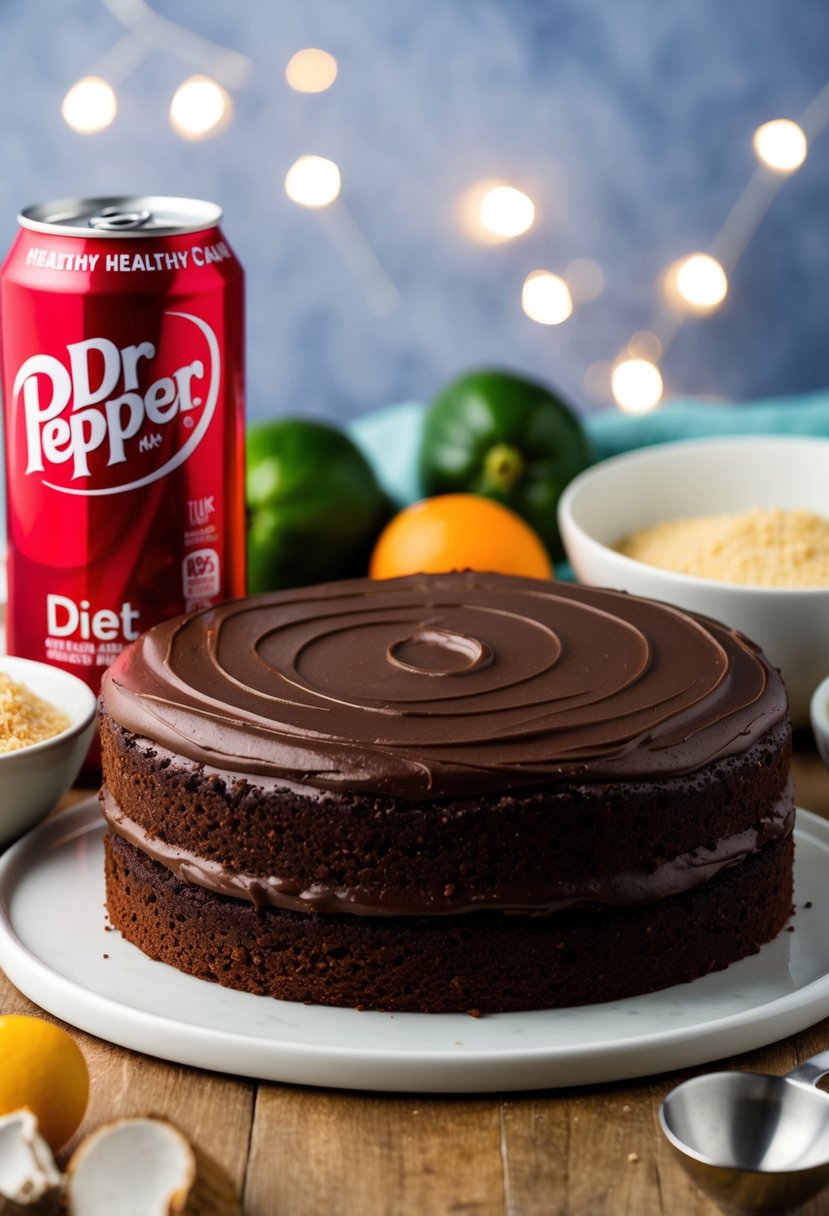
[(123, 384)]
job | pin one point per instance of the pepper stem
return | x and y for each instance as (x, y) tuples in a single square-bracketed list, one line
[(503, 467)]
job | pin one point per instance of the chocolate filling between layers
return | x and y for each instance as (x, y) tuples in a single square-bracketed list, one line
[(620, 889), (537, 842)]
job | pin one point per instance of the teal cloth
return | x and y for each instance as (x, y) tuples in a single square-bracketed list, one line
[(390, 437)]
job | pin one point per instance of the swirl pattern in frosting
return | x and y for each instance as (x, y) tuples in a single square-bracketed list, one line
[(444, 686)]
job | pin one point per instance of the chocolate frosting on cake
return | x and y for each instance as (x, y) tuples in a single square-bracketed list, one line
[(456, 684)]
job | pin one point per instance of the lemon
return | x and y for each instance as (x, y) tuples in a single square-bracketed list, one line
[(42, 1069)]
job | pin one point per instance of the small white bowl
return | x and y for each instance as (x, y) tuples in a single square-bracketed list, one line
[(820, 718), (34, 778), (709, 477)]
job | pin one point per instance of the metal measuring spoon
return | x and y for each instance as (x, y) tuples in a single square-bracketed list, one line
[(751, 1142)]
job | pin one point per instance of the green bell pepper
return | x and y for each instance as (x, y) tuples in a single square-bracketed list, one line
[(497, 434), (315, 507)]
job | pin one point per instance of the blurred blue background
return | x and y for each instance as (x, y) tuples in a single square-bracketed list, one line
[(629, 125)]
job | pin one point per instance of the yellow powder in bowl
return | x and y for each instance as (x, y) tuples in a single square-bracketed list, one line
[(760, 548), (26, 718)]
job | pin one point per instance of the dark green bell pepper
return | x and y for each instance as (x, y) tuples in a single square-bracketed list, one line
[(315, 507), (498, 434)]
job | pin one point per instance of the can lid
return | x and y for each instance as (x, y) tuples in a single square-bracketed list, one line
[(129, 215)]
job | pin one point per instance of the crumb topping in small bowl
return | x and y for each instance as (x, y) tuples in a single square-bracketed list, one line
[(25, 718), (768, 547)]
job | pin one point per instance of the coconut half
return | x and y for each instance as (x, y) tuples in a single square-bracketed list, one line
[(29, 1179), (148, 1167)]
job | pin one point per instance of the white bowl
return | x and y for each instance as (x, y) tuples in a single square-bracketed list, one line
[(820, 718), (709, 477), (34, 778)]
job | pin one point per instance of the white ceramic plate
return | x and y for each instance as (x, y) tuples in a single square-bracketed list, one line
[(55, 947)]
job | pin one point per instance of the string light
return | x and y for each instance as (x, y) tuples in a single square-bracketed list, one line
[(545, 298), (200, 107), (636, 385), (701, 281), (698, 281), (90, 105), (780, 145), (157, 33), (311, 70), (494, 211), (313, 181)]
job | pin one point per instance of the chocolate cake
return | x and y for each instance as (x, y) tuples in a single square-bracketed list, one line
[(463, 792)]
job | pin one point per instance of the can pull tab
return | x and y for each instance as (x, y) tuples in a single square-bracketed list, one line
[(112, 219)]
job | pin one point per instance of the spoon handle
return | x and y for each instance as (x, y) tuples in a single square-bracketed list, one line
[(811, 1070)]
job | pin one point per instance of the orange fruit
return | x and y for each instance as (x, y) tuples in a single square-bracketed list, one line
[(42, 1069), (459, 532)]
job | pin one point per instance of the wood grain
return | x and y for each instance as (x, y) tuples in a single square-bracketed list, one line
[(295, 1151)]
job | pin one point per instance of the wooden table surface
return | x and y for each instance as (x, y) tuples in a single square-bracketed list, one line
[(295, 1151)]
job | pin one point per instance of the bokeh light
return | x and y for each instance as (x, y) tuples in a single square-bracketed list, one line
[(90, 105), (645, 345), (492, 211), (698, 281), (506, 212), (313, 181), (596, 381), (636, 385), (200, 107), (585, 278), (311, 70), (780, 145), (545, 298)]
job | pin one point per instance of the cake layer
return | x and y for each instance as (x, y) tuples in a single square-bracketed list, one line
[(484, 962), (445, 686)]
